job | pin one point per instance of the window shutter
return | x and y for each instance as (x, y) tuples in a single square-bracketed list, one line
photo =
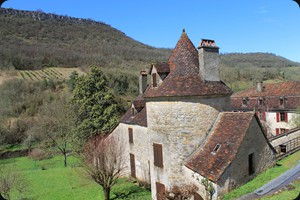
[(130, 133), (154, 81), (132, 165), (160, 191), (286, 116), (277, 131), (158, 156), (277, 116)]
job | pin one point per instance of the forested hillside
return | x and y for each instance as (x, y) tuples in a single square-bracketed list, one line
[(34, 40)]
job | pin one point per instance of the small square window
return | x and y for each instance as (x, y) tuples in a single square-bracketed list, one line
[(217, 147)]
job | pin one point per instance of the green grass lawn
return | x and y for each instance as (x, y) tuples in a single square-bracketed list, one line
[(49, 180), (263, 178)]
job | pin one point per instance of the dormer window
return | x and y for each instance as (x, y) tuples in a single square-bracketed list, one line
[(154, 80), (260, 101), (245, 101), (281, 101), (217, 147), (132, 111)]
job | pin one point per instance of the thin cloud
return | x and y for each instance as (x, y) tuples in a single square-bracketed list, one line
[(263, 10)]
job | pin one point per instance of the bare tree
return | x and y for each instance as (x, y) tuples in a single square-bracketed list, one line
[(11, 181), (104, 161), (56, 124)]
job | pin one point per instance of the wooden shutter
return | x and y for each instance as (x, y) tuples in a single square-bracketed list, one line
[(286, 117), (158, 155), (160, 191), (132, 165), (197, 197), (130, 134), (278, 117), (154, 81), (277, 131)]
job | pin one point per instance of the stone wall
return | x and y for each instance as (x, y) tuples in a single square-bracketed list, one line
[(181, 127), (238, 172)]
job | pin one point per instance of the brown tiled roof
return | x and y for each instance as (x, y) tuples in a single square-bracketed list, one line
[(162, 67), (229, 132), (290, 88), (271, 94), (140, 118), (184, 78)]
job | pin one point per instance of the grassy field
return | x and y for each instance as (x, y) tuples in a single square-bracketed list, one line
[(48, 180), (282, 166)]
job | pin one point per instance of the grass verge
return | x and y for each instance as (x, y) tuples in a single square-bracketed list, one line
[(266, 176), (48, 180)]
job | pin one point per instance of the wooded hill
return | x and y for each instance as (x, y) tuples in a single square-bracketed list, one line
[(34, 40)]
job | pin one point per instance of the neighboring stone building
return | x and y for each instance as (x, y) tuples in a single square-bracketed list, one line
[(179, 131), (275, 104)]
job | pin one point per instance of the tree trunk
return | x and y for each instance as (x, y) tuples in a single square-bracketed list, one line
[(106, 193), (65, 159)]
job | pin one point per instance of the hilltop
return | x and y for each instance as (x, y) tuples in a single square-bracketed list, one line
[(34, 39)]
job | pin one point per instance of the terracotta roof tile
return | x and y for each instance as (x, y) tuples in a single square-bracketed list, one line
[(162, 67), (289, 88), (139, 118), (229, 132), (271, 94), (184, 78)]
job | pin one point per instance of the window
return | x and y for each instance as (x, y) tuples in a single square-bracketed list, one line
[(132, 165), (154, 81), (282, 148), (130, 134), (260, 101), (160, 191), (217, 147), (281, 101), (158, 155), (251, 164), (245, 101), (282, 130), (282, 117), (132, 111)]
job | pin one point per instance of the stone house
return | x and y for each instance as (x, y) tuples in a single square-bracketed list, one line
[(179, 130), (275, 104)]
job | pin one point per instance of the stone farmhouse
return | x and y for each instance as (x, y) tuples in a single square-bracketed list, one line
[(275, 105), (180, 131)]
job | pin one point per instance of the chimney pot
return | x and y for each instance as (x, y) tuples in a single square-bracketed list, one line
[(259, 86), (142, 82), (209, 60)]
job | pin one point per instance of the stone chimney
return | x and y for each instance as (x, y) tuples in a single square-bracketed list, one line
[(142, 82), (259, 86), (209, 60)]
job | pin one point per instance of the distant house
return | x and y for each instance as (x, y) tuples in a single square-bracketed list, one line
[(180, 130), (275, 104)]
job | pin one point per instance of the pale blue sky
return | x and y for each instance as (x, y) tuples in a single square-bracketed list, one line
[(271, 26)]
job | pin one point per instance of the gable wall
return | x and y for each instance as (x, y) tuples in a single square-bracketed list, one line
[(264, 157), (139, 148)]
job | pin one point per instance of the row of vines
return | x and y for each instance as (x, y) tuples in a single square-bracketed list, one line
[(37, 75)]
